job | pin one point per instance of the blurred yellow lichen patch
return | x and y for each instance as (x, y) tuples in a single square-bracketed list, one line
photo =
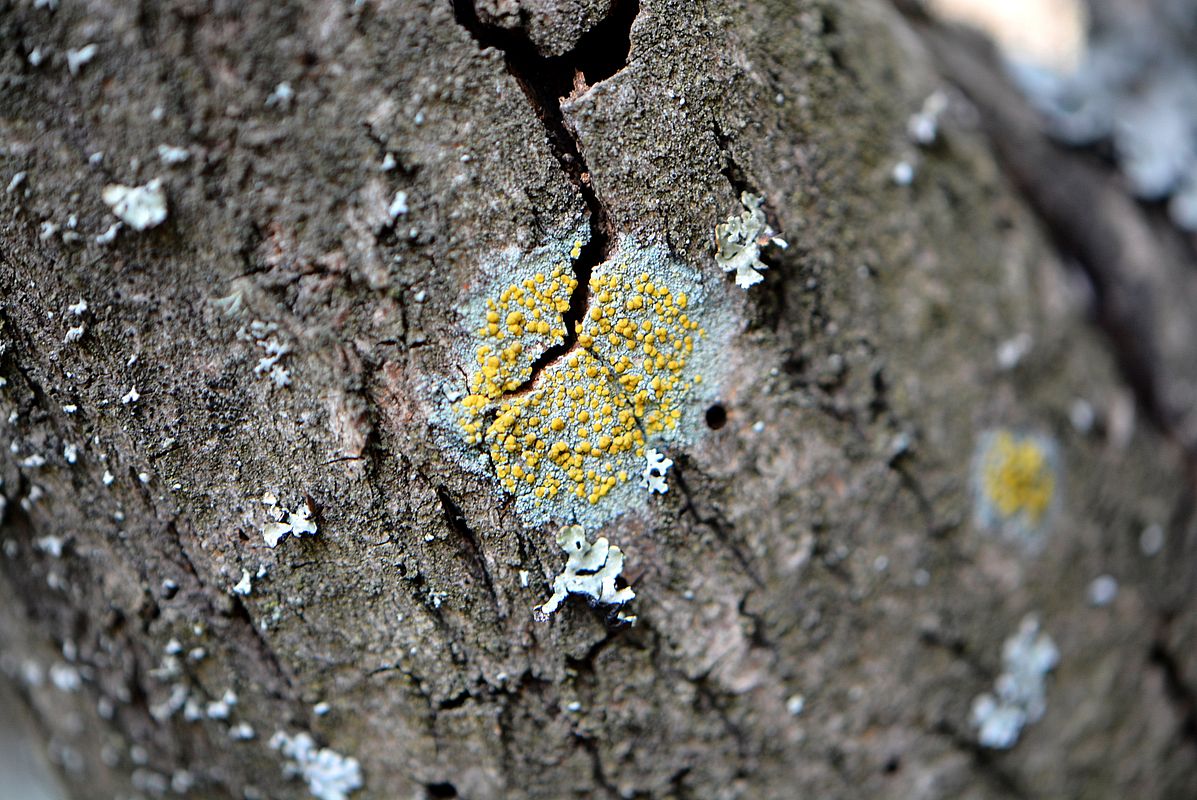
[(520, 323), (1016, 485), (580, 429), (1018, 477)]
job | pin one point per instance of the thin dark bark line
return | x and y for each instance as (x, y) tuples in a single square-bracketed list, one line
[(957, 647), (718, 701), (909, 482), (41, 398), (715, 525), (471, 546), (265, 651), (239, 613), (545, 81), (590, 746)]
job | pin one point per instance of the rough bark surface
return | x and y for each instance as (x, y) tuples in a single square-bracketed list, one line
[(818, 543)]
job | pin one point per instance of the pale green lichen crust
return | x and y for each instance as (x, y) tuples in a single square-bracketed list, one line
[(1019, 696), (740, 239), (591, 571), (572, 443)]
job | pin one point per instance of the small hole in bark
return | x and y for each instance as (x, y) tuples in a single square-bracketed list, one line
[(716, 416), (437, 791), (892, 765)]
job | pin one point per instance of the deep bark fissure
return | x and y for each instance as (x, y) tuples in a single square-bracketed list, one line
[(546, 81), (730, 168)]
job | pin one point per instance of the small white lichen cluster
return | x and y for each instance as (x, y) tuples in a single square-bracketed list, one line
[(178, 695), (923, 127), (244, 586), (170, 155), (139, 207), (65, 678), (219, 709), (398, 206), (903, 173), (1012, 351), (75, 333), (231, 304), (51, 545), (297, 523), (109, 235), (590, 570), (18, 180), (741, 238), (329, 775), (653, 476), (263, 335), (1019, 697), (1102, 591), (77, 59), (282, 97)]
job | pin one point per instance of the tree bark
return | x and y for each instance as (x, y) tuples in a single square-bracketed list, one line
[(818, 600)]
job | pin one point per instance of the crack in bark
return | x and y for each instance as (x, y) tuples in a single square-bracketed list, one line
[(470, 545), (546, 81), (590, 746), (265, 651), (716, 526), (1180, 694), (730, 169)]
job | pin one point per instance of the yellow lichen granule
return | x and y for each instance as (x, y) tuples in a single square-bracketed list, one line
[(1018, 477), (580, 430)]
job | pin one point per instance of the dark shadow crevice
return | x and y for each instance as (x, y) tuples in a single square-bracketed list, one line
[(1180, 694), (547, 82)]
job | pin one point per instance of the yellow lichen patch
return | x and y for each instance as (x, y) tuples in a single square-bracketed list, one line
[(1018, 477), (580, 431), (519, 324)]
